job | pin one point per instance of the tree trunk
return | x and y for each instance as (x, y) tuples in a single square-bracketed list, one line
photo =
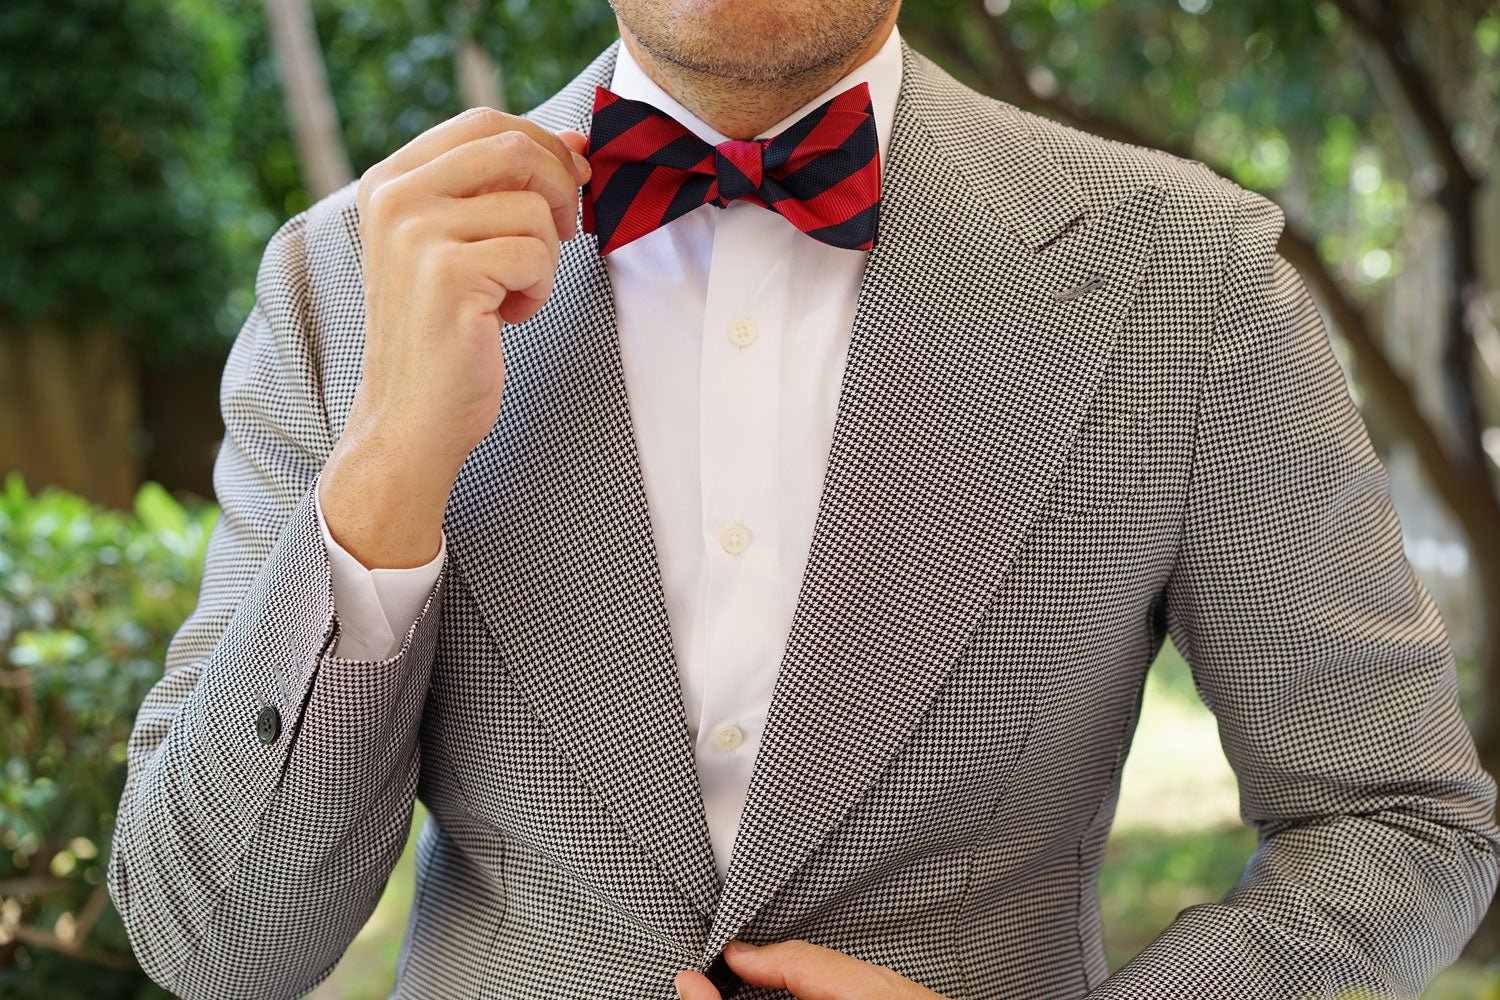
[(180, 415), (70, 412), (478, 77), (309, 102)]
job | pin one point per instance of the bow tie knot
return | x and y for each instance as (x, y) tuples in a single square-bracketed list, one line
[(822, 174), (740, 167)]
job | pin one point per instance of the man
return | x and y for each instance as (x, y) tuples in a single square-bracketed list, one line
[(800, 591)]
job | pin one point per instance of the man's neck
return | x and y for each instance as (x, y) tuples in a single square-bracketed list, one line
[(744, 109)]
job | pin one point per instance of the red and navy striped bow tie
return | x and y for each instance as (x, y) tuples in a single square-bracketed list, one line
[(822, 174)]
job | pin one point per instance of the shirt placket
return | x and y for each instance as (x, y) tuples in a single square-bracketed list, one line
[(739, 430)]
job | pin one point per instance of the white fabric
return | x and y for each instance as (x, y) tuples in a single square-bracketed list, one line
[(370, 600), (733, 330)]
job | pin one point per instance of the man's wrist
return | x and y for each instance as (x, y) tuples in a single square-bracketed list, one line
[(382, 507)]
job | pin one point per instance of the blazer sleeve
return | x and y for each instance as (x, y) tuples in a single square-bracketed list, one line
[(1330, 674), (270, 783)]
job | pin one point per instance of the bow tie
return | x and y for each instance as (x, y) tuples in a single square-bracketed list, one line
[(822, 174)]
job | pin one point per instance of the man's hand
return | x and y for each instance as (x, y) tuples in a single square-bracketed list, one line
[(808, 971), (460, 230)]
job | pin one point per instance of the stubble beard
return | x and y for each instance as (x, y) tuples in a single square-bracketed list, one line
[(826, 38)]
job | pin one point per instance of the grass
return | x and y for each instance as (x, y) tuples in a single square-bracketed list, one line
[(1177, 841)]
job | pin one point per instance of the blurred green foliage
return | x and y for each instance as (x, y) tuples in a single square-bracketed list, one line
[(390, 67), (157, 155), (89, 599), (119, 205), (1276, 93)]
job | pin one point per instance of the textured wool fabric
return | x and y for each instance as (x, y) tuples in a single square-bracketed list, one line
[(1085, 406)]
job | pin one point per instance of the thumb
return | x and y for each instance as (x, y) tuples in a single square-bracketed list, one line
[(695, 986), (579, 144)]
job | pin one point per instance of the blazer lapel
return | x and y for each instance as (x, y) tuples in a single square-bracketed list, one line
[(966, 379), (549, 531)]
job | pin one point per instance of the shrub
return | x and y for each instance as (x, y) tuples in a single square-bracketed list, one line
[(88, 601)]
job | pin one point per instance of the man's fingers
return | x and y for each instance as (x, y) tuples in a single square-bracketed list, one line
[(476, 123), (510, 161), (507, 160), (499, 213), (814, 973), (695, 986), (518, 265)]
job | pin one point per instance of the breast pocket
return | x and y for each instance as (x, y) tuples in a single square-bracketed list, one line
[(1106, 465)]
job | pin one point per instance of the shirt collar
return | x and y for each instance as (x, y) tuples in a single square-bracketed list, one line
[(882, 72)]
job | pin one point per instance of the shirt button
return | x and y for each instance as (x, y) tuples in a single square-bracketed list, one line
[(728, 737), (268, 724), (742, 333), (735, 538)]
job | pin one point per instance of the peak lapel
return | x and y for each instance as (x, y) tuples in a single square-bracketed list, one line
[(549, 531), (966, 379)]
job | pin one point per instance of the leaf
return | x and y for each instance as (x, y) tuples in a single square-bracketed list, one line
[(159, 511)]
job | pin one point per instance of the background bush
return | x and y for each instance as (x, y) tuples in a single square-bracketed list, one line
[(88, 601)]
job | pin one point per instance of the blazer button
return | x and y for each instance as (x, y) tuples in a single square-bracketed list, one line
[(268, 724)]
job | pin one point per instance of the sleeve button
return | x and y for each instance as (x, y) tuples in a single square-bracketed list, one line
[(268, 724)]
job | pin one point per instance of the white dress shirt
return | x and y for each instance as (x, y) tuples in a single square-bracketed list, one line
[(733, 328)]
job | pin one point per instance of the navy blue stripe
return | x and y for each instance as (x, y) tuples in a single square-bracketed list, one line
[(781, 148), (823, 172), (611, 204), (680, 154), (692, 194), (733, 182), (853, 232), (683, 153), (617, 119)]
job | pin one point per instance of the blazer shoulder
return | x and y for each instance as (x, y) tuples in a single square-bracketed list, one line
[(572, 106), (1207, 218), (1206, 207), (333, 229), (317, 245), (1203, 210), (310, 290), (1108, 170)]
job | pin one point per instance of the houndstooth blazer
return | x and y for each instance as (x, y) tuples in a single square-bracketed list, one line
[(1085, 406)]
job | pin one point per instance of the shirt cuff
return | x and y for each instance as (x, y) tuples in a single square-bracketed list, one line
[(374, 607)]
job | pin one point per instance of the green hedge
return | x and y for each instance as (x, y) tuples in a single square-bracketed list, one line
[(89, 599)]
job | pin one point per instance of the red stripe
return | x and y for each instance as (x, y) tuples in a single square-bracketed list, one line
[(830, 133), (856, 98), (747, 156), (649, 205), (603, 99), (839, 203), (636, 143)]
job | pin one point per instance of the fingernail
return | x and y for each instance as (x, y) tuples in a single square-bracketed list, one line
[(581, 164), (738, 945)]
